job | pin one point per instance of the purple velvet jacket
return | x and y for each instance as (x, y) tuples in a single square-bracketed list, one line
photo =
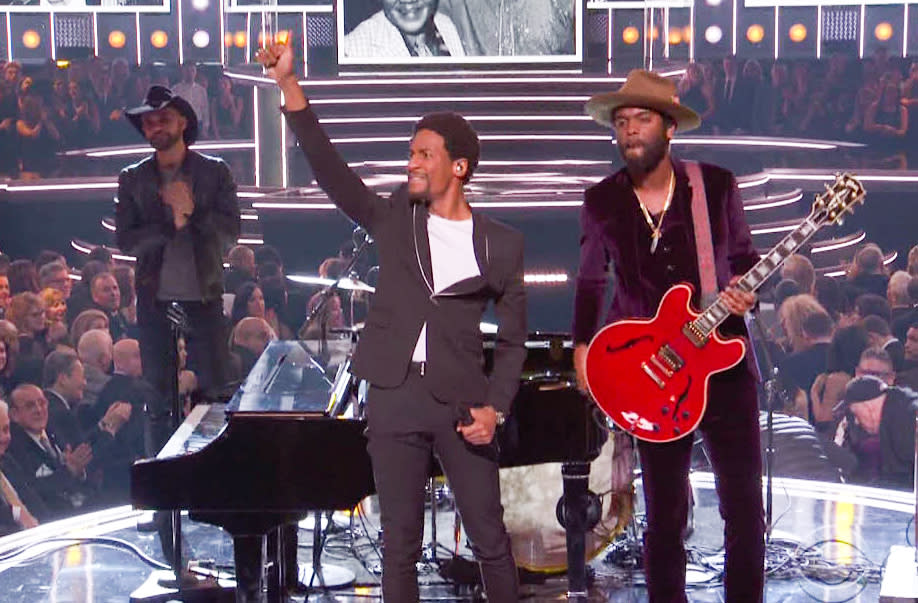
[(615, 247)]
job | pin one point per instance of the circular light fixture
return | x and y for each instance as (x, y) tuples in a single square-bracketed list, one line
[(713, 34), (200, 38), (159, 39), (675, 37), (797, 32), (116, 38), (755, 33), (200, 4), (630, 35), (713, 2), (883, 31), (31, 39), (228, 39), (239, 39), (655, 33)]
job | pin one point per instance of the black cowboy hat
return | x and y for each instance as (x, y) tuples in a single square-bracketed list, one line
[(160, 97)]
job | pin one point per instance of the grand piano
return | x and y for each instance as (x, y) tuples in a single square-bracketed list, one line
[(274, 453)]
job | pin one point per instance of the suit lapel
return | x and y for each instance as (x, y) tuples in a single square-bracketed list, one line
[(422, 243)]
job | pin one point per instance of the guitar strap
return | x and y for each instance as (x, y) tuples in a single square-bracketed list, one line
[(704, 244)]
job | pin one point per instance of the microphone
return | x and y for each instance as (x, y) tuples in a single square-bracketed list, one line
[(361, 236)]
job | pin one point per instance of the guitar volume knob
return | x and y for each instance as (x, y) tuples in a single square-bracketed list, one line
[(665, 410)]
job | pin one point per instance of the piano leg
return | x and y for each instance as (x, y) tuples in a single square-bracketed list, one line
[(249, 552), (573, 514)]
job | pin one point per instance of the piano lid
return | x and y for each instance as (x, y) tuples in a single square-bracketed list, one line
[(286, 378)]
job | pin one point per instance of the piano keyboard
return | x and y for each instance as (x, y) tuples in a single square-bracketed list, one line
[(202, 425)]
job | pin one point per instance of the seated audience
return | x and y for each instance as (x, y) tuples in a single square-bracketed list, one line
[(23, 276), (881, 337), (900, 303), (55, 315), (842, 356), (80, 297), (799, 269), (876, 363), (27, 312), (4, 294), (124, 275), (867, 273), (56, 275), (249, 339), (249, 301), (241, 268), (828, 292), (903, 319), (871, 304)]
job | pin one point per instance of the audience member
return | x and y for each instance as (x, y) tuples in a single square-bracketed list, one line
[(22, 276), (19, 503), (4, 294), (57, 474), (193, 92), (56, 275), (870, 304), (867, 273), (799, 269), (845, 349), (275, 294), (249, 339), (100, 253), (9, 342), (87, 321), (106, 296), (829, 293), (84, 124), (886, 118), (249, 301), (226, 109), (879, 430), (912, 267), (80, 297), (876, 363), (39, 141), (900, 303), (902, 320), (27, 312), (124, 275), (241, 268), (95, 352), (881, 337), (55, 313)]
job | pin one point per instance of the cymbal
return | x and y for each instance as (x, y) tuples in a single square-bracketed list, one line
[(349, 284)]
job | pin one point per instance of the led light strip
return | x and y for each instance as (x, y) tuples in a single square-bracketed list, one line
[(833, 246), (772, 204)]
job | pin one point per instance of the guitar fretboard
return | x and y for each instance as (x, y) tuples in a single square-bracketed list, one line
[(717, 312)]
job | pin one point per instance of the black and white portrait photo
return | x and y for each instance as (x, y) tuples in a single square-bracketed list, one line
[(405, 31)]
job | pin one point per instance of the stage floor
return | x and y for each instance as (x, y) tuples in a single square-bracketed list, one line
[(829, 544)]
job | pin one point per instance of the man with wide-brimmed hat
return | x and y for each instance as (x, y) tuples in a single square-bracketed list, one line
[(177, 212), (638, 225)]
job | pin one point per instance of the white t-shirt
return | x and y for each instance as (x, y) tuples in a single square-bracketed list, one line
[(452, 258)]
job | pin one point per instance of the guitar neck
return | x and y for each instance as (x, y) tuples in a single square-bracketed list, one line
[(717, 312)]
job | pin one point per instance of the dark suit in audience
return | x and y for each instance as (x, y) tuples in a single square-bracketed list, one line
[(62, 493), (26, 492)]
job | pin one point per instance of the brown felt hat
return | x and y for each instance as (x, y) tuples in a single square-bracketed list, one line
[(647, 90)]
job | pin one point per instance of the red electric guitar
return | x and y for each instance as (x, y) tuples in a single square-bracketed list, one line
[(651, 376)]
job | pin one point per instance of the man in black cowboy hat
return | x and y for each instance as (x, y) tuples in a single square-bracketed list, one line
[(638, 225), (177, 212)]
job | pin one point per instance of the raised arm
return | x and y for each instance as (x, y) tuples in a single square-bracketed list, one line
[(340, 183)]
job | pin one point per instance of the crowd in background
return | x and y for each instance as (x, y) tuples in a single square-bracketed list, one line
[(72, 388), (45, 109)]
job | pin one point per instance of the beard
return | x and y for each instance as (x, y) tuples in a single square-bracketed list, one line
[(653, 154), (164, 140)]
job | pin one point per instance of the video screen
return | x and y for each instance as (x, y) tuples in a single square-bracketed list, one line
[(382, 32), (85, 6)]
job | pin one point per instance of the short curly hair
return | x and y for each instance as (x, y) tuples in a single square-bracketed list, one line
[(459, 137)]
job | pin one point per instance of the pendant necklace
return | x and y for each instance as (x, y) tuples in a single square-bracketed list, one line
[(656, 229)]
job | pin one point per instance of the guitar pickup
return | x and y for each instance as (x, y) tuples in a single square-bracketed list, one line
[(670, 357), (656, 362), (653, 375)]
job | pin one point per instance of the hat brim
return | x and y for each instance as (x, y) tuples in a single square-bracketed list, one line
[(135, 116), (601, 107)]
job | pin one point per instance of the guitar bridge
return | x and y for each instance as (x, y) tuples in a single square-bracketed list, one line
[(670, 357), (694, 334)]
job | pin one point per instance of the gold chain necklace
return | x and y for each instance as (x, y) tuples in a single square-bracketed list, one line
[(656, 229)]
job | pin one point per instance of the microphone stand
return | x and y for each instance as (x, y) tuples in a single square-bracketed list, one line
[(768, 377), (331, 289)]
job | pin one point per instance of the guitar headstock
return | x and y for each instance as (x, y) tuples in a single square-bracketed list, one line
[(840, 198)]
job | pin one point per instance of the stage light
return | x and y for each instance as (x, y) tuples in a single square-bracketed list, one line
[(228, 39), (159, 39), (282, 37), (654, 33), (713, 34), (797, 32), (630, 35), (116, 38), (200, 4), (200, 38), (31, 39), (713, 2), (755, 33), (675, 37), (62, 63), (239, 39), (687, 34), (883, 31)]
